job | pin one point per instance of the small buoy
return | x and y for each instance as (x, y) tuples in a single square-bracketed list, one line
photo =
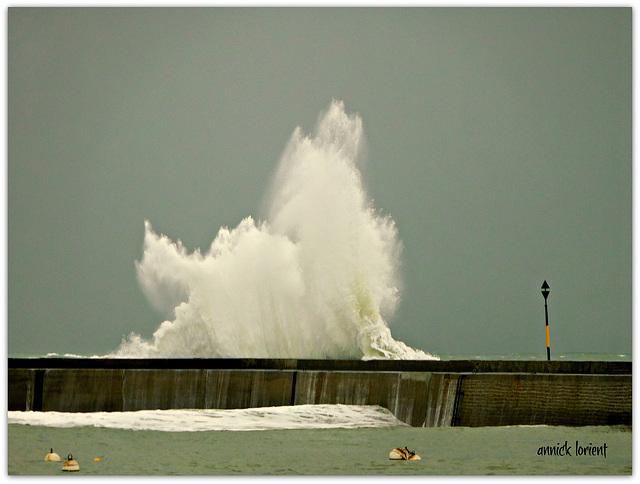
[(70, 465), (397, 454), (97, 459), (402, 453), (52, 456)]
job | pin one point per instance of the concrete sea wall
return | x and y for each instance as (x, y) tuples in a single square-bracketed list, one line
[(420, 393)]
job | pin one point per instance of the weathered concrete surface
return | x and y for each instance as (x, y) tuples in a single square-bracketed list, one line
[(441, 400), (91, 390), (167, 389), (522, 399), (402, 393), (109, 390), (431, 393), (21, 388)]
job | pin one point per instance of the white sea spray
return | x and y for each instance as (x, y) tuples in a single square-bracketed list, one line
[(318, 279), (246, 419)]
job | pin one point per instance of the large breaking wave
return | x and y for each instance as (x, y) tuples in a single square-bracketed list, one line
[(318, 278)]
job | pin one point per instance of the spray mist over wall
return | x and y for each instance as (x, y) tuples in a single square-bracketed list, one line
[(317, 279)]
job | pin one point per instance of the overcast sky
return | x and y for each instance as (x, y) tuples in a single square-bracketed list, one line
[(499, 140)]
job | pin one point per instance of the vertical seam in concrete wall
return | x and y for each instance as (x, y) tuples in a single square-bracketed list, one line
[(28, 399), (396, 402), (293, 388), (456, 403), (37, 390), (124, 396), (122, 372)]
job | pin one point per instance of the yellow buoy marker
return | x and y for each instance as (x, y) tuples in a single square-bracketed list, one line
[(402, 453), (52, 456), (96, 459), (70, 465)]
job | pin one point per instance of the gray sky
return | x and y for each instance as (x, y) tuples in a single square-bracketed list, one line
[(499, 140)]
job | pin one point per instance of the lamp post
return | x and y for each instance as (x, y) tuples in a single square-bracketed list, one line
[(545, 293)]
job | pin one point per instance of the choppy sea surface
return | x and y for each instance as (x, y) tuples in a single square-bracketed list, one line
[(316, 440)]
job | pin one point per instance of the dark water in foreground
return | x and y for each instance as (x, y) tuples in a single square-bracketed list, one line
[(362, 451)]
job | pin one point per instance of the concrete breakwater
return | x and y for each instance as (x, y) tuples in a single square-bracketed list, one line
[(420, 393)]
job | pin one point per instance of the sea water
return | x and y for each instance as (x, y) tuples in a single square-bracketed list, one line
[(316, 440)]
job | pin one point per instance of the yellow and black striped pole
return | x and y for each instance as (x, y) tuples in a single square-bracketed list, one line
[(545, 293)]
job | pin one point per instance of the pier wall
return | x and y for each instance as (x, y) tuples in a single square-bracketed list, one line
[(431, 394)]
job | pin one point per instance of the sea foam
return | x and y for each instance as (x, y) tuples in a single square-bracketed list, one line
[(319, 278), (246, 419)]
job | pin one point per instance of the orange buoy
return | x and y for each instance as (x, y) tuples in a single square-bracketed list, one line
[(96, 459), (52, 456), (70, 465)]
